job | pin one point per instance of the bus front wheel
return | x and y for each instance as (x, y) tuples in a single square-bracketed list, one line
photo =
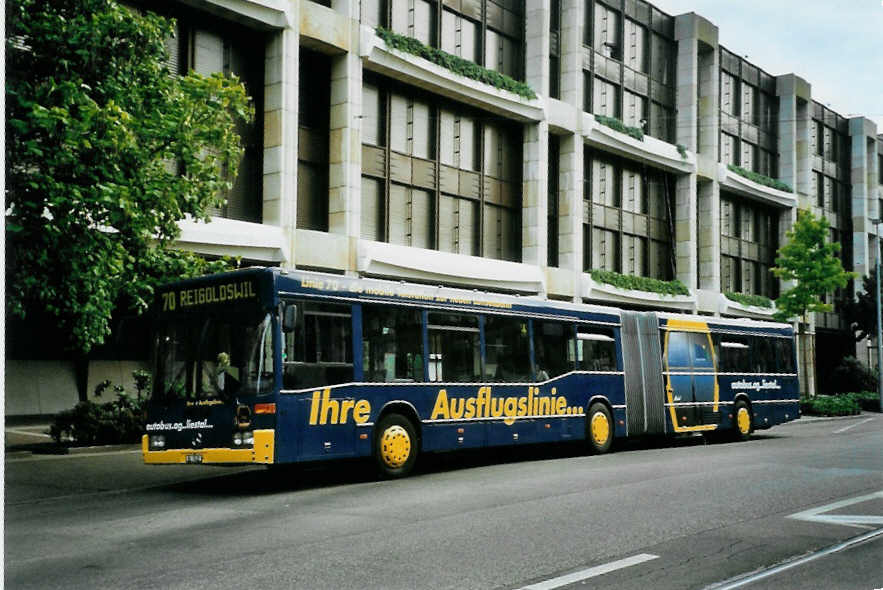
[(395, 446), (741, 420), (600, 428)]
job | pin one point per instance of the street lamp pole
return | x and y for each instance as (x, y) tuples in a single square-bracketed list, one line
[(876, 223)]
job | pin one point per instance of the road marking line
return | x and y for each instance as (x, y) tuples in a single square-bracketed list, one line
[(27, 433), (744, 579), (815, 514), (852, 426), (591, 572)]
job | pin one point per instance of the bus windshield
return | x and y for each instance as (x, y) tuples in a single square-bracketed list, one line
[(202, 356)]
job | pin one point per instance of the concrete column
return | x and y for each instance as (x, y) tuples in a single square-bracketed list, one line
[(536, 58), (572, 87), (534, 226), (280, 131), (865, 206), (686, 231), (708, 234), (697, 129), (345, 144), (570, 211), (794, 157), (803, 145)]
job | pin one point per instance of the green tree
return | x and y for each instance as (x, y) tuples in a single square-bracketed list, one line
[(810, 259), (106, 150)]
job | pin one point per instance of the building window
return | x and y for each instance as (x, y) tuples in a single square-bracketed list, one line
[(748, 246), (607, 34), (207, 46), (313, 133), (635, 46), (627, 209), (462, 29), (448, 178)]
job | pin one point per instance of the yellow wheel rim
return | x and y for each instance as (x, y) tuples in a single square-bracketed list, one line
[(395, 446), (600, 428), (743, 420)]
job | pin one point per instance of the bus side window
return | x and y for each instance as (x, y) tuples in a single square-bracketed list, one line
[(785, 354), (507, 349), (554, 350), (454, 348), (319, 351), (596, 349), (764, 355), (392, 344), (735, 354)]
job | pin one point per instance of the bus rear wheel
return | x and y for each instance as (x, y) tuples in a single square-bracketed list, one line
[(599, 428), (395, 446), (742, 426)]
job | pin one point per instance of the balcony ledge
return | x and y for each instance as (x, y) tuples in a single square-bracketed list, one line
[(609, 294), (733, 308), (739, 184), (231, 237), (431, 266), (651, 151), (417, 71)]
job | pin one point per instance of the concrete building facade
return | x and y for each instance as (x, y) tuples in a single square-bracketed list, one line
[(645, 149)]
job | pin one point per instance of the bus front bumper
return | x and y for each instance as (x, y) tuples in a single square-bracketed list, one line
[(261, 453)]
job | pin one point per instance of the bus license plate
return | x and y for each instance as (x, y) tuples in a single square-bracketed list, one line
[(194, 458)]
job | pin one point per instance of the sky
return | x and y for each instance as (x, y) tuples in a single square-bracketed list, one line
[(836, 46)]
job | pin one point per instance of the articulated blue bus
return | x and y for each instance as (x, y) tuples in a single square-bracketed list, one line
[(279, 367)]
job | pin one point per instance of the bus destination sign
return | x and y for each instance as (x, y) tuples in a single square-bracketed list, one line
[(183, 299)]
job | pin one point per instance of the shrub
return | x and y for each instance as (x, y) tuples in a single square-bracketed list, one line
[(760, 178), (745, 299), (851, 375), (90, 423), (830, 405), (618, 125), (634, 283), (868, 400), (456, 64)]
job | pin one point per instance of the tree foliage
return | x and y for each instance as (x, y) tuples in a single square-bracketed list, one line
[(106, 151), (861, 313), (810, 259)]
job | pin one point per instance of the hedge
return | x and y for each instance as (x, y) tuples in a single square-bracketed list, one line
[(634, 283), (458, 65)]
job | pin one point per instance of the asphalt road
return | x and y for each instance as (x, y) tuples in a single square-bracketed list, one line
[(805, 498)]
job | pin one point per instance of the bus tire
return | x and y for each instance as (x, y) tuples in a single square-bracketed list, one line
[(599, 428), (395, 446), (742, 423)]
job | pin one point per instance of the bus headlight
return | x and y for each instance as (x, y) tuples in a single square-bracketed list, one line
[(157, 441), (245, 438)]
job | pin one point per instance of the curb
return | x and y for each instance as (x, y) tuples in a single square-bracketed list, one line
[(809, 419)]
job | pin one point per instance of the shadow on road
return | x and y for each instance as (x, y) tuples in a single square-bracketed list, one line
[(354, 471)]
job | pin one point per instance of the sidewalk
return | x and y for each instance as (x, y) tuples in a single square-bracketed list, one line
[(33, 438)]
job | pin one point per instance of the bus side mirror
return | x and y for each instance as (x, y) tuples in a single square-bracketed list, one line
[(289, 318)]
